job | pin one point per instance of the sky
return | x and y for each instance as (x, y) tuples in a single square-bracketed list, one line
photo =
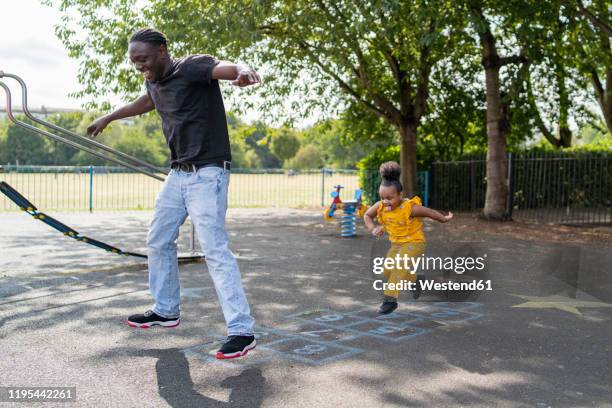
[(30, 49)]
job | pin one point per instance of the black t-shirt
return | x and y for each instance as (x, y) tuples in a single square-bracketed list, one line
[(191, 108)]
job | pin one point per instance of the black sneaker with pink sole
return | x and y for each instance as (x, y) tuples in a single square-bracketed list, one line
[(150, 319), (236, 346)]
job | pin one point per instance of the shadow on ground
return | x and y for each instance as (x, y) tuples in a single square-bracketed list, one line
[(542, 336)]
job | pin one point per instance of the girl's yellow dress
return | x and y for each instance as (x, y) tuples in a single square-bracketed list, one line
[(406, 236)]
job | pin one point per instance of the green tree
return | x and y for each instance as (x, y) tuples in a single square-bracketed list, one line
[(238, 144), (380, 53), (252, 160), (497, 100), (457, 123), (256, 139), (150, 126), (24, 146), (62, 154), (284, 143), (552, 86), (3, 153), (135, 143), (109, 137), (339, 146), (308, 157), (589, 39)]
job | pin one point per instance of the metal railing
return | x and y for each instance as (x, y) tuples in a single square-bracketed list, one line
[(72, 139), (82, 188), (79, 142), (92, 188), (567, 188)]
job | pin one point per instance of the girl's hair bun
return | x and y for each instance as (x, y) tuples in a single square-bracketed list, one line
[(390, 171)]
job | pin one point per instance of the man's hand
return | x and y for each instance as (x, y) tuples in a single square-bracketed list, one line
[(246, 76), (97, 126)]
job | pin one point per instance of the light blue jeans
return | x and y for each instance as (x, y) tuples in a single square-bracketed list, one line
[(203, 196)]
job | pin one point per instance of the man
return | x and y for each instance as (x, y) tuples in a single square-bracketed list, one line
[(185, 92)]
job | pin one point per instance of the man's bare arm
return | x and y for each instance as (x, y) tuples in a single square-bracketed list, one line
[(140, 105), (238, 74)]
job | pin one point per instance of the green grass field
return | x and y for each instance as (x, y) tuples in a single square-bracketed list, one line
[(129, 191)]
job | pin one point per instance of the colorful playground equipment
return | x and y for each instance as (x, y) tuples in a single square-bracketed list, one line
[(350, 211)]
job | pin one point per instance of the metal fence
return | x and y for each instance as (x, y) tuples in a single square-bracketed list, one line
[(561, 188), (565, 188), (91, 188)]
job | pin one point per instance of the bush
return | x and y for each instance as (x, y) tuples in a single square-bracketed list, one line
[(542, 178), (308, 157), (142, 147), (284, 144)]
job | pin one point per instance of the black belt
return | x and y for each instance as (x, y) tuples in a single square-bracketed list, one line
[(225, 165)]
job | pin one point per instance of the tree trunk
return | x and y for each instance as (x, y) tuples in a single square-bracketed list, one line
[(565, 133), (603, 92), (497, 189), (607, 105), (498, 117), (408, 137)]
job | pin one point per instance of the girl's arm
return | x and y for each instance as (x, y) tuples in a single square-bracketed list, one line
[(369, 222), (420, 211)]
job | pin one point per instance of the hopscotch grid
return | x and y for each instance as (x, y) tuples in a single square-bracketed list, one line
[(470, 305), (353, 314), (362, 319), (230, 363), (298, 336), (202, 352), (419, 332), (349, 351), (436, 317), (390, 317), (444, 313), (383, 323), (354, 334)]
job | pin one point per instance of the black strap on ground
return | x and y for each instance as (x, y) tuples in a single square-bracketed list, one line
[(28, 207)]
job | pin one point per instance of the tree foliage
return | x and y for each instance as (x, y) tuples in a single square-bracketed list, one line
[(436, 77), (284, 143), (377, 54)]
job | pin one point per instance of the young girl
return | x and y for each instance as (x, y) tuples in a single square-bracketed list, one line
[(402, 220)]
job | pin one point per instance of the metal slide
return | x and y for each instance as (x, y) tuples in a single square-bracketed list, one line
[(88, 145)]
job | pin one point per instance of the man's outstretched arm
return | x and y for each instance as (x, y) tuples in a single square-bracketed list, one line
[(238, 74), (140, 105)]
